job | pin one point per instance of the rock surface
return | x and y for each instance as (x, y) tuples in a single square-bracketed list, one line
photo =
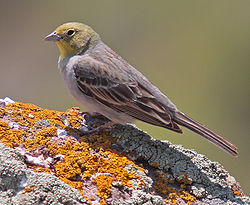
[(50, 157)]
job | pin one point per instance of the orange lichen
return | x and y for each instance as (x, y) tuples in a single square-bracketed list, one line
[(172, 197), (104, 183), (161, 184), (77, 157), (89, 158), (41, 169), (29, 189), (156, 164), (186, 196), (29, 114), (162, 180), (73, 117), (11, 138), (185, 179), (236, 192), (28, 117)]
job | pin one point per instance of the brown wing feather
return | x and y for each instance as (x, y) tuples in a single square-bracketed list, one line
[(128, 97)]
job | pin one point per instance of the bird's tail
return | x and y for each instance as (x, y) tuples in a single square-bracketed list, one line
[(187, 122)]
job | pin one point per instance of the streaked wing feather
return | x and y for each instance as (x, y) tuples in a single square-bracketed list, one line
[(129, 97)]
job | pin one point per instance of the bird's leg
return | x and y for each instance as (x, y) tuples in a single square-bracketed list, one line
[(97, 130), (105, 126), (96, 123), (91, 115)]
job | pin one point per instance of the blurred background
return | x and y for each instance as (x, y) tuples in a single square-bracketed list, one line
[(196, 52)]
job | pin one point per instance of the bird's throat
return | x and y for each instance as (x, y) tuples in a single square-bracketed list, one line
[(65, 49)]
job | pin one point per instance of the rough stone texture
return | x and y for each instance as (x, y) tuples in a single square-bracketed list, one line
[(15, 176), (167, 169), (211, 183)]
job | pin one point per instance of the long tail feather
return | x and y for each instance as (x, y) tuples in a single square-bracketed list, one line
[(187, 122)]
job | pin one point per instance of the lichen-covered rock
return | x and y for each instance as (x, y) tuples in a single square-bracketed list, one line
[(51, 157), (20, 185)]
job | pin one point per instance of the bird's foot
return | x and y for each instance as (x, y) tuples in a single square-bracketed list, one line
[(99, 129)]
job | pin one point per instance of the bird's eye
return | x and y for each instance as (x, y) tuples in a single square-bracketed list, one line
[(70, 32)]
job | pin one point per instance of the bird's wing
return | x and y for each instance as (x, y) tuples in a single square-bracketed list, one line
[(121, 93)]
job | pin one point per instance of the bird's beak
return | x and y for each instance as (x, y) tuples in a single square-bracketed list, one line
[(52, 37)]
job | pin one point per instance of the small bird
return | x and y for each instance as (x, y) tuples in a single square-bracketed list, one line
[(103, 82)]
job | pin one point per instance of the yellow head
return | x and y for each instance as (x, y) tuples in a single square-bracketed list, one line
[(73, 38)]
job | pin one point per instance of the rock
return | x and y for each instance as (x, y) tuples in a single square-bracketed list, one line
[(51, 157)]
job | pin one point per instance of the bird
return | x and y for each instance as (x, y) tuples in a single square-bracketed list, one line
[(103, 82)]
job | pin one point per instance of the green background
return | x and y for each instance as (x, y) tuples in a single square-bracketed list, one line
[(196, 52)]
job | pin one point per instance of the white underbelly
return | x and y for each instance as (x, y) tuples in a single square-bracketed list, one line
[(90, 104)]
